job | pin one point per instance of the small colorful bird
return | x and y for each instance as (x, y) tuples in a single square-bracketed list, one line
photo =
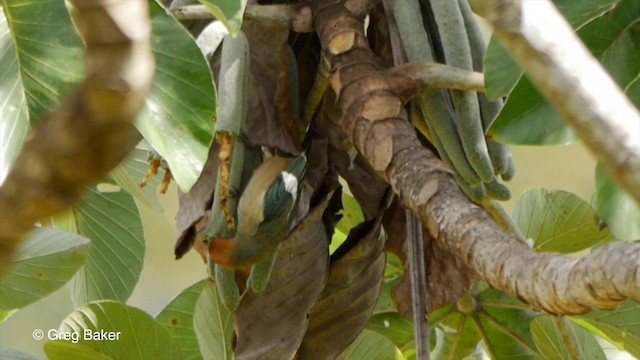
[(265, 211)]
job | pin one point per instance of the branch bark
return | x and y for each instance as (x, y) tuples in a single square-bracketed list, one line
[(375, 120), (92, 131), (572, 81)]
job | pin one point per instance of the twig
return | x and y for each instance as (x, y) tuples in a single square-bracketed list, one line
[(434, 76)]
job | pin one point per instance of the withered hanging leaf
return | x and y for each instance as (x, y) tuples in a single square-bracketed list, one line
[(317, 169), (378, 33), (270, 120), (271, 325), (447, 276), (364, 184), (353, 287), (193, 205)]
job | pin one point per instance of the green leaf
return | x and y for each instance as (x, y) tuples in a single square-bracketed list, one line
[(44, 57), (613, 39), (385, 301), (351, 213), (505, 325), (177, 317), (620, 326), (502, 72), (178, 120), (528, 119), (213, 325), (229, 12), (112, 222), (4, 315), (393, 327), (130, 173), (123, 332), (559, 221), (552, 345), (64, 350), (43, 263), (458, 339), (618, 209), (12, 354), (13, 109), (40, 62), (579, 13), (370, 345)]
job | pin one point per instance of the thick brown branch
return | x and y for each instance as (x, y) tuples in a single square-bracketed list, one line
[(375, 120), (92, 131), (297, 15), (572, 81)]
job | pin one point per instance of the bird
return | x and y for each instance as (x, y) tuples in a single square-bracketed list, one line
[(265, 211)]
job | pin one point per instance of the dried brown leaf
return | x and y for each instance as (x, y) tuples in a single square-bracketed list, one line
[(347, 302), (270, 120), (193, 205), (271, 325)]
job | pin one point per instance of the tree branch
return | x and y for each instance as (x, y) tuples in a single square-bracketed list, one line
[(92, 131), (297, 15), (572, 81), (434, 76), (376, 122)]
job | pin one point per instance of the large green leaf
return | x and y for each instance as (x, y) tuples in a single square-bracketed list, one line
[(213, 324), (43, 263), (612, 38), (112, 222), (4, 315), (178, 120), (177, 317), (65, 350), (47, 60), (502, 72), (559, 221), (552, 342), (370, 345), (618, 209), (528, 119), (124, 333), (40, 61), (229, 12), (620, 326)]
